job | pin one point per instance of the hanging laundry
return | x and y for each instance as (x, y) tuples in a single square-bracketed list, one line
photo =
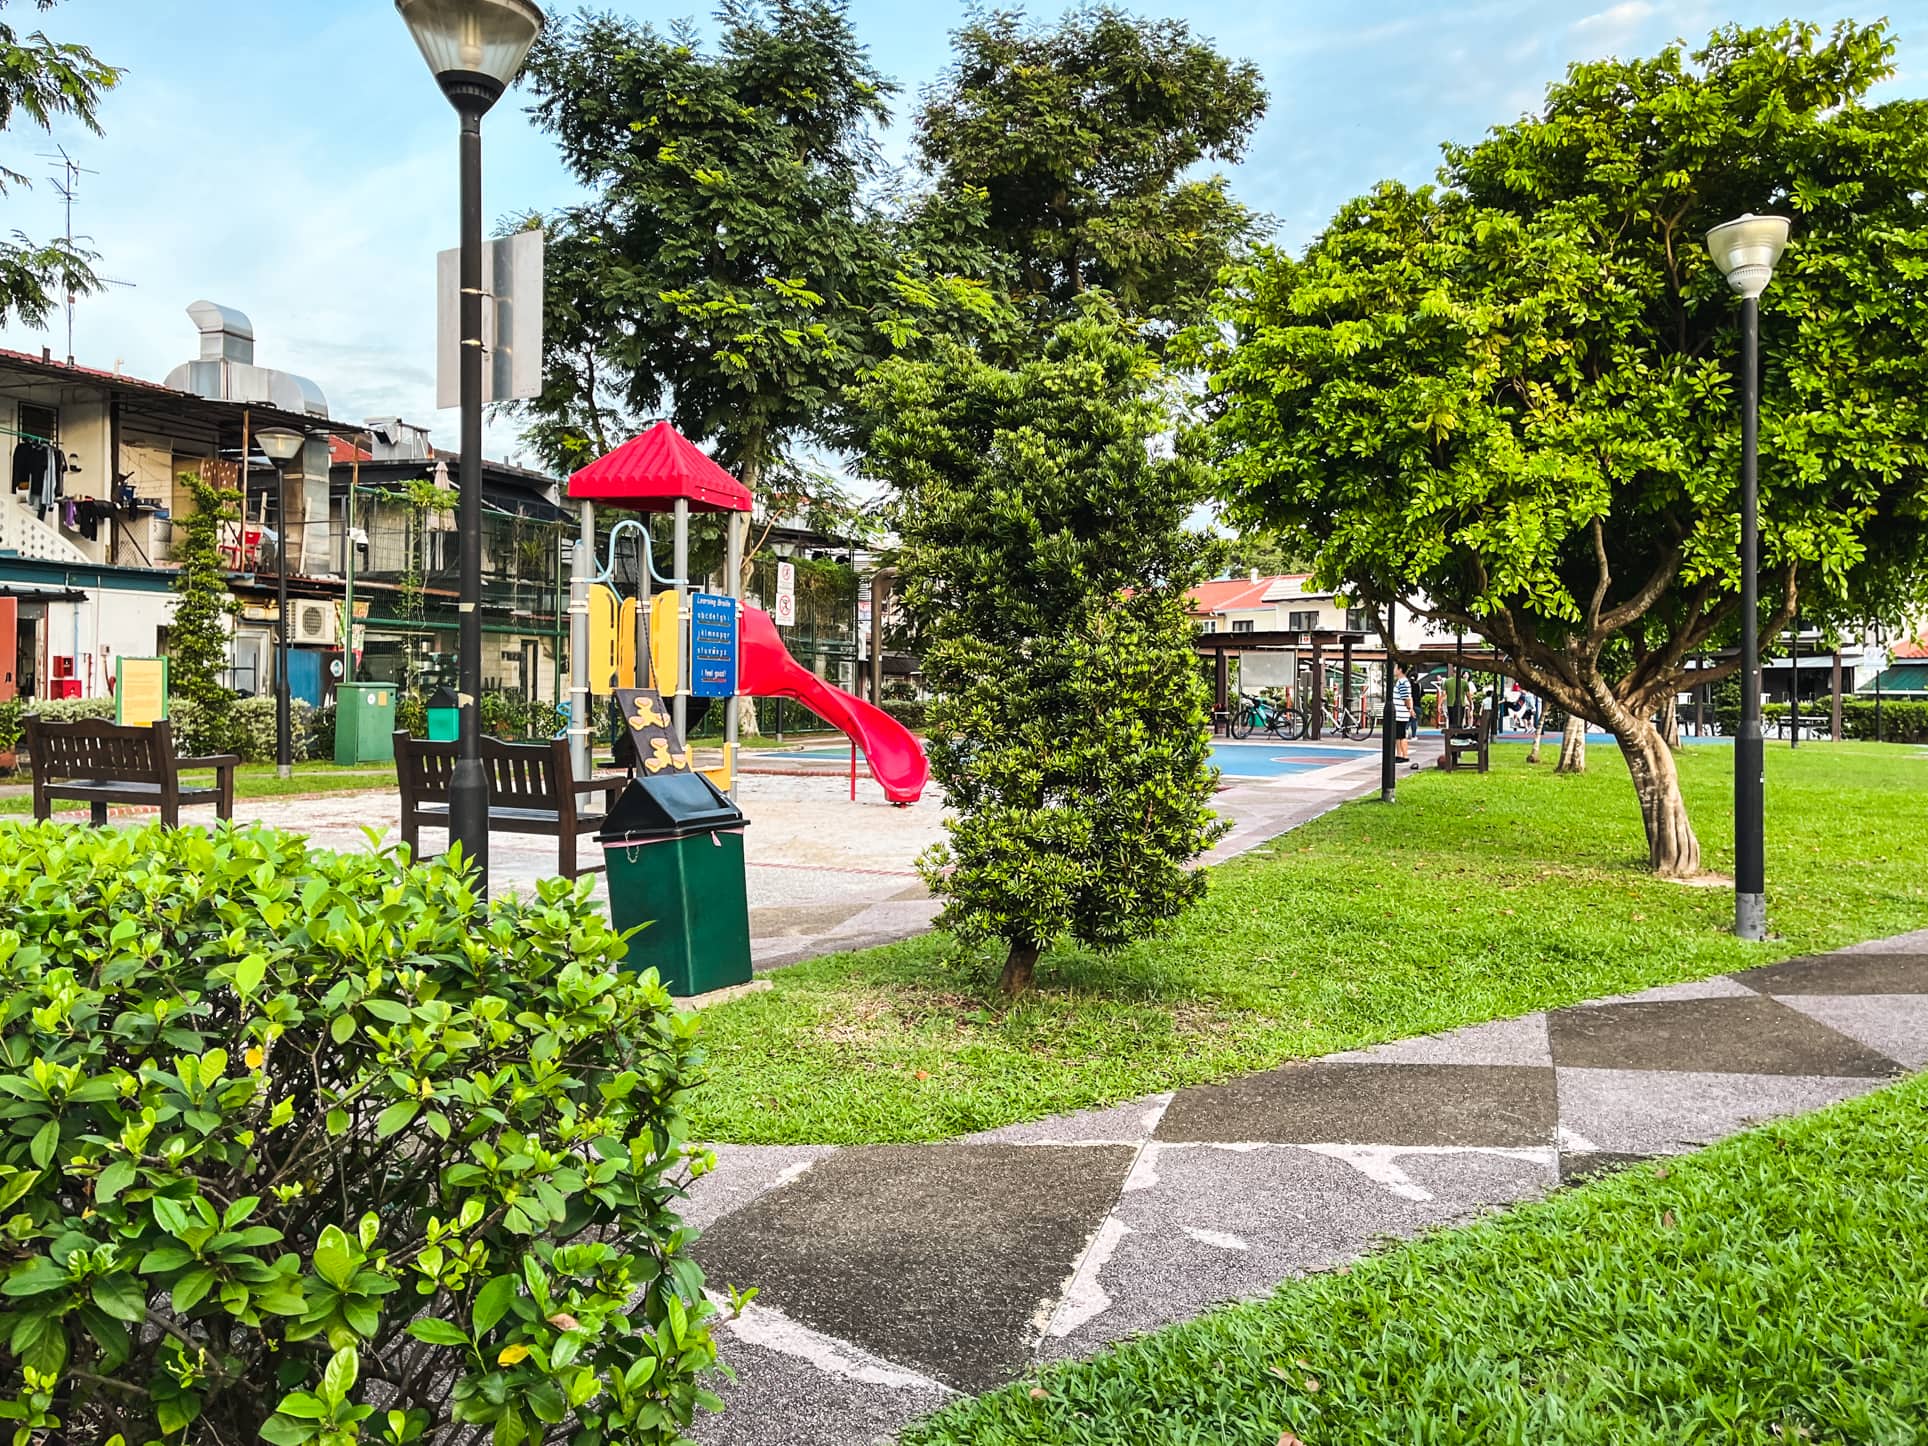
[(28, 458), (70, 514)]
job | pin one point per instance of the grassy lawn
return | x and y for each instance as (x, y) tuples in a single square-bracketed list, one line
[(1472, 898), (253, 780), (1773, 1289)]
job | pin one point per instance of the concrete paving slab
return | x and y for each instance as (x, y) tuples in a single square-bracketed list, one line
[(1662, 1112), (1892, 1024), (1131, 1123), (1219, 1224), (802, 1388), (1504, 1041), (1719, 987), (946, 1259), (1722, 1036), (1843, 974), (1915, 942), (1730, 1036), (744, 1172), (1372, 1104)]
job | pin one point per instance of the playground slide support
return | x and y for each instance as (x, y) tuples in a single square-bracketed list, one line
[(735, 525), (581, 566), (679, 705)]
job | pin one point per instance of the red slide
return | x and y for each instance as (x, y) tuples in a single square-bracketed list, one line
[(895, 756)]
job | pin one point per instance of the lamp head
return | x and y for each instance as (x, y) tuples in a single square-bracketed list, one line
[(1747, 249), (474, 47), (282, 444)]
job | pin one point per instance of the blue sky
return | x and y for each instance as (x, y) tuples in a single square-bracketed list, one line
[(295, 160)]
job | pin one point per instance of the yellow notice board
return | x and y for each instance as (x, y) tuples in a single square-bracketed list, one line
[(140, 690)]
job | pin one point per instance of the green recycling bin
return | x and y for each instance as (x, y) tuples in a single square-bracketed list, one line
[(364, 722), (674, 847)]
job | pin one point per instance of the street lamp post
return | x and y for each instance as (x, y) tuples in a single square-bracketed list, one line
[(474, 48), (1388, 758), (1746, 251), (281, 445)]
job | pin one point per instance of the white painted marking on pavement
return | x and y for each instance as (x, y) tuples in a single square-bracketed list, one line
[(1085, 1298), (792, 1171), (771, 1329), (1217, 1239), (1380, 1163)]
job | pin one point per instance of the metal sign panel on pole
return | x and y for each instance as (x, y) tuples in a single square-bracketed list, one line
[(511, 321)]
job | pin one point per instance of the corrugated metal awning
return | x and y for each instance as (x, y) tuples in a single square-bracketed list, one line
[(41, 594), (1901, 678)]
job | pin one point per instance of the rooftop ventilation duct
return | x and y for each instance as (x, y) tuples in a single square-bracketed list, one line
[(225, 371)]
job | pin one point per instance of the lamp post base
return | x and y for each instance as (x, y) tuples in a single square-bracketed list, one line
[(1750, 917), (284, 770), (469, 815)]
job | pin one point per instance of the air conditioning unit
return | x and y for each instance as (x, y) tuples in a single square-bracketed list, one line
[(315, 624)]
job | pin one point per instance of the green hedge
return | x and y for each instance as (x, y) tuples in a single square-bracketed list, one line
[(248, 729), (911, 712), (314, 1148)]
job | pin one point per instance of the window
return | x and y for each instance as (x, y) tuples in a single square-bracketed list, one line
[(1303, 622), (1358, 620), (1241, 625)]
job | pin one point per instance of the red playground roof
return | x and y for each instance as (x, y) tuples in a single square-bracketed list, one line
[(660, 465)]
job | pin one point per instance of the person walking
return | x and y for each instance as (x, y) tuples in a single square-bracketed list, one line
[(1402, 713), (1456, 690)]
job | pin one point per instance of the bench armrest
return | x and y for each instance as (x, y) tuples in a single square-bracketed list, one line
[(604, 783), (215, 760)]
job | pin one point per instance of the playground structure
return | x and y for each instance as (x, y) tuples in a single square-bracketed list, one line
[(646, 641)]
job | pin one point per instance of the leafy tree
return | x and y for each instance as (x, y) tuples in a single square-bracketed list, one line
[(197, 638), (729, 269), (45, 80), (1512, 398), (1045, 555), (1084, 137)]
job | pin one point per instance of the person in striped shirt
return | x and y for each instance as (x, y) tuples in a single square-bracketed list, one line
[(1402, 712)]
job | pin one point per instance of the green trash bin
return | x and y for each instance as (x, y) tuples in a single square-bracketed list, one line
[(364, 722), (444, 716), (674, 847)]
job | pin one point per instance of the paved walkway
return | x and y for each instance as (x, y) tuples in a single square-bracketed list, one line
[(825, 873), (893, 1277)]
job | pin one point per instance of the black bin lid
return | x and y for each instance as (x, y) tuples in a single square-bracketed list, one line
[(444, 697), (669, 805)]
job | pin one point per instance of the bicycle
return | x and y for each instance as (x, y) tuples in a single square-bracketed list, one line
[(1278, 719), (1336, 721)]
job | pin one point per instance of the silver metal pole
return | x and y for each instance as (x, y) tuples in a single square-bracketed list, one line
[(581, 566), (680, 707), (737, 523)]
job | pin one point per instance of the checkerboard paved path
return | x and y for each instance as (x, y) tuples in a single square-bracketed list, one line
[(894, 1276)]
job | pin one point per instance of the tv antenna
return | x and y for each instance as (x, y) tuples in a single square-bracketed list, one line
[(67, 174)]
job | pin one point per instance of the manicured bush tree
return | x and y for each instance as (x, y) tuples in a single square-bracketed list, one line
[(1512, 399), (1045, 554), (306, 1148), (197, 638)]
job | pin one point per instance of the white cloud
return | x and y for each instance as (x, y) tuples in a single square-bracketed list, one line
[(1613, 29)]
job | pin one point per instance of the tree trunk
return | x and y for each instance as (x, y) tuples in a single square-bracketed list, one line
[(1670, 722), (1573, 746), (1539, 732), (1672, 848), (1019, 966)]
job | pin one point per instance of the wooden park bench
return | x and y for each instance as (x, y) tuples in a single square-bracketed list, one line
[(101, 763), (1476, 740), (532, 790)]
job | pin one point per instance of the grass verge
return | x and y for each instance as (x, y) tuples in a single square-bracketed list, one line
[(1770, 1290), (1473, 898)]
